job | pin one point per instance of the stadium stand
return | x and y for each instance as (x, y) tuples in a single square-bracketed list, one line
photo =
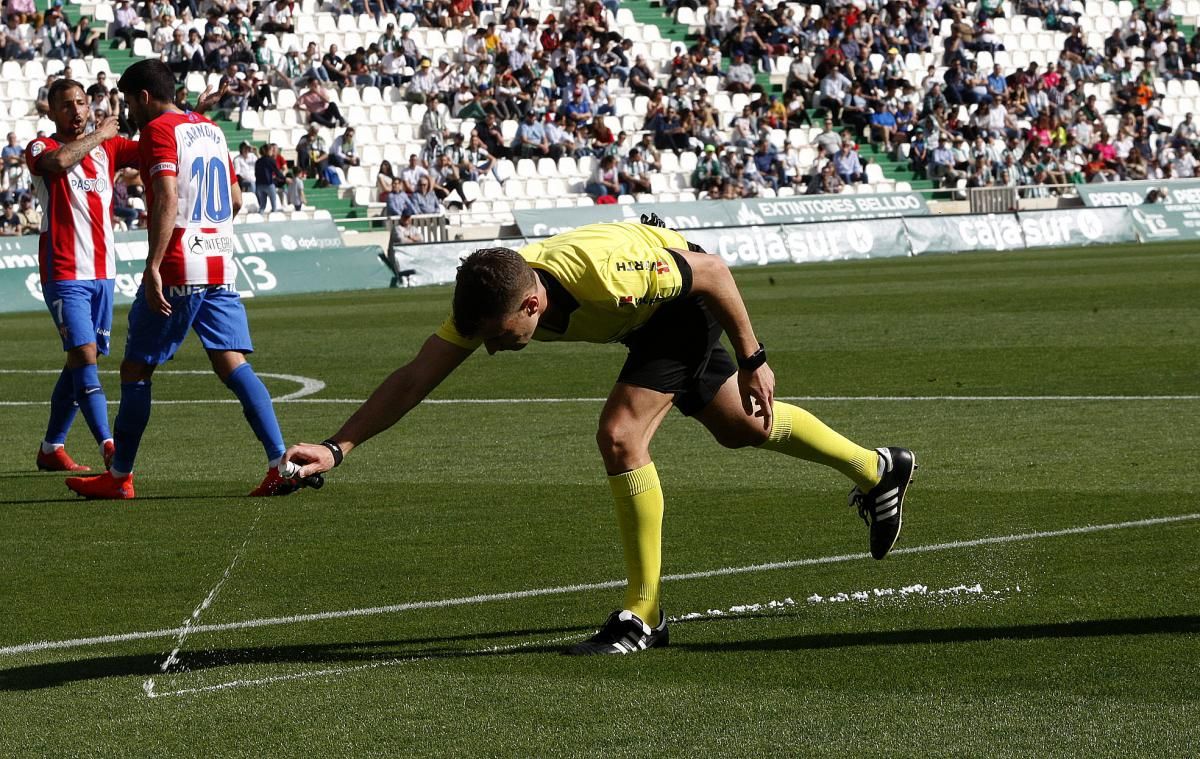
[(518, 106)]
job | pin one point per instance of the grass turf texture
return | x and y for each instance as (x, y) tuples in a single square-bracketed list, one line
[(1093, 656)]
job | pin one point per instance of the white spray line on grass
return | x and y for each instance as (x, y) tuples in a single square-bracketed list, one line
[(194, 618), (300, 396), (966, 593), (150, 688), (519, 594), (308, 385)]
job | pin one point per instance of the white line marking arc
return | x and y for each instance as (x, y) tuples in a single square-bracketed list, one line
[(514, 595), (308, 385)]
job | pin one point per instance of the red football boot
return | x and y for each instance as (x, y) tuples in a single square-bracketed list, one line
[(275, 484), (59, 461), (108, 450), (102, 487)]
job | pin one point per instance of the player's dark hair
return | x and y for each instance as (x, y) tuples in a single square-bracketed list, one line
[(151, 75), (489, 285), (60, 87)]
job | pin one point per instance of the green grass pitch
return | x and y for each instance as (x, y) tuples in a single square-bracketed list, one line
[(1059, 643)]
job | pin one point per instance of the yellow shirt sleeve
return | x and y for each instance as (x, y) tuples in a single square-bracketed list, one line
[(450, 334)]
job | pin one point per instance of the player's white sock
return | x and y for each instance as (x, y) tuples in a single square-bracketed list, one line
[(50, 447), (118, 475), (274, 463)]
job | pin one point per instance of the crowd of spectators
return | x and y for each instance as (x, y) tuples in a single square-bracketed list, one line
[(1036, 125), (560, 77), (29, 34)]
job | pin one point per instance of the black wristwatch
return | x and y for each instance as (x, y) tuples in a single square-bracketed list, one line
[(754, 360), (335, 449)]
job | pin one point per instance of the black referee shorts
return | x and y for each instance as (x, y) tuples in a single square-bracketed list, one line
[(679, 351)]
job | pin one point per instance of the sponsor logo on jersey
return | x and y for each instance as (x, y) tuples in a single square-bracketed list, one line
[(89, 184), (642, 266), (658, 267), (215, 245), (630, 300)]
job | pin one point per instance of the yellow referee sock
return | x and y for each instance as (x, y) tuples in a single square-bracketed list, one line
[(799, 434), (639, 502)]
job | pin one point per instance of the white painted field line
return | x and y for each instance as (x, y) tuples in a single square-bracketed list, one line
[(301, 396), (958, 593), (308, 385), (519, 594)]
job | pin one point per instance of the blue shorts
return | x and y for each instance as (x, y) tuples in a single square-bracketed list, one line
[(82, 311), (216, 313)]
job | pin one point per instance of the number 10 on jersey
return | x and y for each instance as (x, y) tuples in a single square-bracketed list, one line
[(210, 178)]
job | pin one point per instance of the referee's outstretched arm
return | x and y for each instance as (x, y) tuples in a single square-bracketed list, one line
[(400, 392)]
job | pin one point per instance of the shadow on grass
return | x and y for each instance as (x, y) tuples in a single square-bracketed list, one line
[(1091, 628), (50, 675), (54, 674)]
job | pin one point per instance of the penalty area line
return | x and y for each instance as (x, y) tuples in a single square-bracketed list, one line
[(47, 645)]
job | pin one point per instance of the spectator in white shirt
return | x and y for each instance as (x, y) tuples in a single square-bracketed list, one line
[(411, 174), (424, 83), (510, 35), (243, 166), (342, 152), (740, 76), (634, 174)]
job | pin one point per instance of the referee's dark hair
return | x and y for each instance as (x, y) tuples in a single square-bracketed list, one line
[(60, 87), (151, 75), (489, 285)]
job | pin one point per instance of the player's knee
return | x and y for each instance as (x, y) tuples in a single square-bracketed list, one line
[(135, 371), (616, 444), (224, 363)]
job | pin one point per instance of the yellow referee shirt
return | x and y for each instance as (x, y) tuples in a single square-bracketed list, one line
[(618, 273)]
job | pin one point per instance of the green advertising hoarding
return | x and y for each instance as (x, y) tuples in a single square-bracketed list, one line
[(800, 209), (1175, 194), (306, 256), (1076, 227), (954, 234), (1154, 223), (1027, 229), (310, 257), (803, 243)]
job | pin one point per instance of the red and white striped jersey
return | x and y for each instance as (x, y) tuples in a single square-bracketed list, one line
[(192, 148), (77, 234)]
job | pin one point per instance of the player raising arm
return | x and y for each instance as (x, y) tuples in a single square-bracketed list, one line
[(669, 303), (192, 197), (73, 179)]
